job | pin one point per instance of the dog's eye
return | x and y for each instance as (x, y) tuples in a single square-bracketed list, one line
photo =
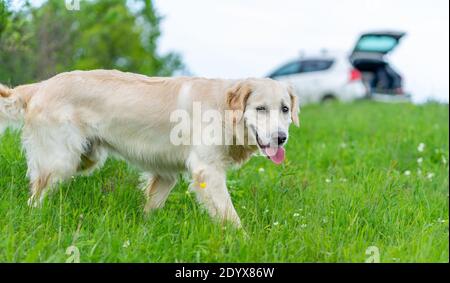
[(261, 108), (285, 109)]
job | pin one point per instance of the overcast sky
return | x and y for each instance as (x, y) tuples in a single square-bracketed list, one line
[(242, 38)]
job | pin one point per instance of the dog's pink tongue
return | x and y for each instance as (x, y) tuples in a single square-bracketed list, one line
[(276, 154)]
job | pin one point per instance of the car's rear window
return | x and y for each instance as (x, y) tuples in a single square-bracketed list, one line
[(315, 65), (380, 43)]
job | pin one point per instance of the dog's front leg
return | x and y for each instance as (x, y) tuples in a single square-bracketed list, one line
[(209, 184)]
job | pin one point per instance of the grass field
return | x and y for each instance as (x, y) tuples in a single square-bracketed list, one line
[(354, 178)]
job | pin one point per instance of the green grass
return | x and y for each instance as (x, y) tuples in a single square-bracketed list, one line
[(342, 190)]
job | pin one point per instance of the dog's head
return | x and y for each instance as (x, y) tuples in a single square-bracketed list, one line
[(266, 108)]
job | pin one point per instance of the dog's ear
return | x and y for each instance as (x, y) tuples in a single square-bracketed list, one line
[(237, 97), (294, 105)]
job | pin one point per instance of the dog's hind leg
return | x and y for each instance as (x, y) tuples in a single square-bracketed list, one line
[(39, 188), (93, 157), (156, 190), (53, 155)]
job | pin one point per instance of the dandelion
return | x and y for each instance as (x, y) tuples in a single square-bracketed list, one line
[(126, 244), (327, 180), (261, 170), (202, 185), (296, 214), (420, 160), (421, 147), (430, 175), (407, 173), (276, 223)]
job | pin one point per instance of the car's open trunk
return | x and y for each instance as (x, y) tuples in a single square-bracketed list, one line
[(368, 57), (379, 76)]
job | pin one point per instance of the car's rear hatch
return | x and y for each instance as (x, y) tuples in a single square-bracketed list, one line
[(374, 45)]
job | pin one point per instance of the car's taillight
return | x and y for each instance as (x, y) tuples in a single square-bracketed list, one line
[(399, 91), (355, 75)]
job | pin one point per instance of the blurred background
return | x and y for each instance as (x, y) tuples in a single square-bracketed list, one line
[(316, 45)]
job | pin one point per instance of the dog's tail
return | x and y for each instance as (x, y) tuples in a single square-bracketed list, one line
[(12, 108)]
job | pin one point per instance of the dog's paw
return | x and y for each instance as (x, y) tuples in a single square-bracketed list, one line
[(33, 202)]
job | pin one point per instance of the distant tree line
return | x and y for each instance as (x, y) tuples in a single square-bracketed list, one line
[(38, 42)]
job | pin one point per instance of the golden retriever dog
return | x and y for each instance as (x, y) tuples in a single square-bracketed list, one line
[(72, 121)]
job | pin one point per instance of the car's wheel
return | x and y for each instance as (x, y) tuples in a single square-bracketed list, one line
[(328, 98)]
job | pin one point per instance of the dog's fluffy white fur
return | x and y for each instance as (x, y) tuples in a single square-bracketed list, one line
[(72, 121)]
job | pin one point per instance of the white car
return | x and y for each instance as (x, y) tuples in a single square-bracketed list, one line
[(324, 77)]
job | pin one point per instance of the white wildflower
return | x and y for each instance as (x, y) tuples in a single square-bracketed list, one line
[(261, 170), (444, 160), (327, 180), (421, 147), (276, 223), (126, 244), (296, 214), (430, 175), (303, 226), (420, 160), (407, 172)]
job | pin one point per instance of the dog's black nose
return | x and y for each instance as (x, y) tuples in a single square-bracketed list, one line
[(281, 138)]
